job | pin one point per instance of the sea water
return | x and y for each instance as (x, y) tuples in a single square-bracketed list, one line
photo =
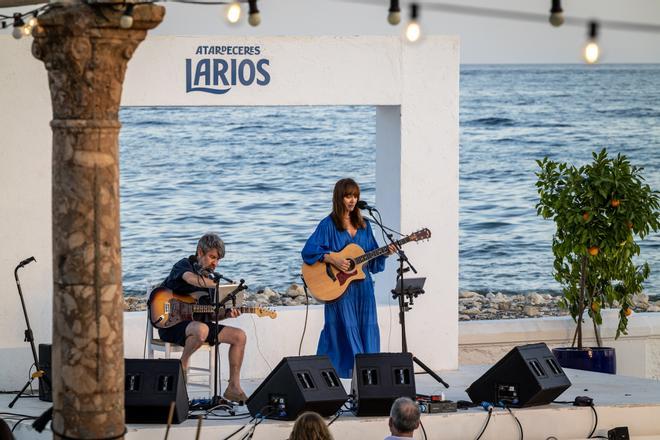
[(262, 177)]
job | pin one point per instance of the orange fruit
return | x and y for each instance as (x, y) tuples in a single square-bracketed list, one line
[(593, 251), (586, 216), (595, 307), (615, 203), (628, 311)]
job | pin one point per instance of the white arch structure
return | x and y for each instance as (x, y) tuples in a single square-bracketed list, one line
[(415, 89)]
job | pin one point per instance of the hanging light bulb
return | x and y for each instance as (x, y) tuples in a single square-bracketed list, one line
[(591, 51), (556, 14), (18, 27), (33, 22), (126, 20), (254, 17), (233, 12), (413, 30), (394, 13)]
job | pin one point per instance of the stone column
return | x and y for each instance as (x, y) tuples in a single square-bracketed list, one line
[(86, 53)]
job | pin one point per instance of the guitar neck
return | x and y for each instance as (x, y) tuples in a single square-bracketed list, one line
[(203, 308), (380, 251)]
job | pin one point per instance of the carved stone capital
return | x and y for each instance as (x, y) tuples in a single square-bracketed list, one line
[(86, 53)]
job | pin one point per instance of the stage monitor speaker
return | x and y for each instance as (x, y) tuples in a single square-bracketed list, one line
[(45, 392), (150, 385), (297, 384), (528, 375), (379, 379)]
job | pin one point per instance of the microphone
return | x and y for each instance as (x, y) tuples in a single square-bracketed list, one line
[(361, 204), (26, 261)]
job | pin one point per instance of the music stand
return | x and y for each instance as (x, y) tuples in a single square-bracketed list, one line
[(411, 286)]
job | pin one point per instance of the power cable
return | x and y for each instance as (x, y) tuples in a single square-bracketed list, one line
[(490, 413), (517, 421), (423, 430)]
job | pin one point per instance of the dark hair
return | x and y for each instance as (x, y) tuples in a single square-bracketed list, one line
[(209, 241), (310, 426), (404, 415), (345, 187)]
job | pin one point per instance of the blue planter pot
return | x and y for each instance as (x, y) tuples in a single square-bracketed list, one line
[(598, 359)]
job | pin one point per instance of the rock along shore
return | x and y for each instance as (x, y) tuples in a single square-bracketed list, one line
[(471, 305)]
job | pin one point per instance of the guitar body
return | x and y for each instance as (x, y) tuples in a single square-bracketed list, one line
[(167, 309), (327, 283)]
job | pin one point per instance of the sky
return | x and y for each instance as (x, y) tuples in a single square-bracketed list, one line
[(483, 39)]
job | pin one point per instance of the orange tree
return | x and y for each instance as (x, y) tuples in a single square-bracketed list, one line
[(599, 210)]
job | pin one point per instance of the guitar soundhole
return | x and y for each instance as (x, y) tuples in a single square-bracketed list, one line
[(351, 265)]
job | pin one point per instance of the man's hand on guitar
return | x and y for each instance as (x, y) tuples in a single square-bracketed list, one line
[(391, 249), (233, 313), (340, 263)]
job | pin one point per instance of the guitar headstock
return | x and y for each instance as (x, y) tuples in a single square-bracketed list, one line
[(264, 311), (422, 234)]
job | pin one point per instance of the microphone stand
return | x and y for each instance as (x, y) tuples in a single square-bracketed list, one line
[(29, 337), (217, 305), (410, 294)]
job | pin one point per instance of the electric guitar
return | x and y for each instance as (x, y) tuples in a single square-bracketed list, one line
[(327, 283), (167, 308)]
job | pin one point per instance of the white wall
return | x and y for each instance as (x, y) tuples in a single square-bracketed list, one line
[(414, 86), (25, 207), (637, 354)]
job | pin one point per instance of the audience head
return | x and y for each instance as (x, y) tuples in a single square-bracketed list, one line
[(404, 417), (310, 426)]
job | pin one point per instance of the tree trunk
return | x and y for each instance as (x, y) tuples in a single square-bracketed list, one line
[(86, 53), (582, 299)]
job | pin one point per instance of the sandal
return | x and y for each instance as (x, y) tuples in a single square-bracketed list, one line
[(235, 397)]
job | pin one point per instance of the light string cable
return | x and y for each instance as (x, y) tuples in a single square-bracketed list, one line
[(20, 21), (509, 14)]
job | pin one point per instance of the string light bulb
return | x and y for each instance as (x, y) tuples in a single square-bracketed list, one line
[(394, 13), (556, 14), (233, 12), (413, 30), (254, 17), (591, 51), (17, 32), (126, 20)]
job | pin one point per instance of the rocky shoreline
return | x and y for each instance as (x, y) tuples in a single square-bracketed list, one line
[(471, 305)]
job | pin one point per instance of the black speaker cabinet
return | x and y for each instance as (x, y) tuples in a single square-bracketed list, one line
[(526, 376), (297, 384), (150, 385), (379, 379), (45, 392)]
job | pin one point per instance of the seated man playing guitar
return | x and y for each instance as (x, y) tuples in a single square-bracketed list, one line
[(187, 278)]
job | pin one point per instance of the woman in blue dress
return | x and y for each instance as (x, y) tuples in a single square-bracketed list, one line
[(351, 324)]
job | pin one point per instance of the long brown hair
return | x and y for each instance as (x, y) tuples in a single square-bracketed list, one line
[(310, 426), (346, 187)]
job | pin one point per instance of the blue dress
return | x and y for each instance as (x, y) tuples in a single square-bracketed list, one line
[(351, 324)]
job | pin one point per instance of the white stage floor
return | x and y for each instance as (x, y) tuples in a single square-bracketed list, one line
[(618, 400)]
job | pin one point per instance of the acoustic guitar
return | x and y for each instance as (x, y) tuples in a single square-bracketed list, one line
[(167, 308), (327, 283)]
